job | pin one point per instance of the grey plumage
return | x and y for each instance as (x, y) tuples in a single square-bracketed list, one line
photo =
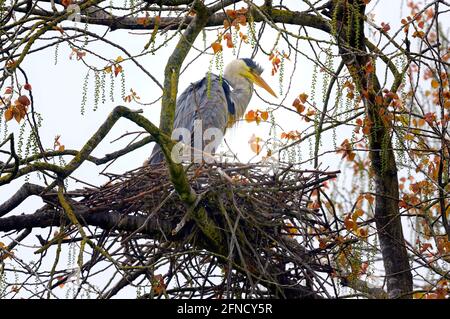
[(226, 102)]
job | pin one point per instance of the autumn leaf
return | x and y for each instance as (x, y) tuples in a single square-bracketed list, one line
[(23, 100), (232, 14), (370, 198), (358, 213), (250, 116), (303, 97), (243, 37), (350, 95), (323, 243), (217, 47), (254, 144), (9, 113), (419, 34), (385, 27), (350, 224), (78, 53), (117, 69), (424, 247), (265, 115), (66, 3), (347, 150), (242, 20), (291, 135), (5, 253), (242, 11), (369, 67), (17, 116), (363, 268), (362, 232), (57, 144), (227, 37), (298, 106), (434, 84), (430, 118), (15, 289), (158, 285)]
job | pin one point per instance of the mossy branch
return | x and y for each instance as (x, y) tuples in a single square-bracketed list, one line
[(174, 63)]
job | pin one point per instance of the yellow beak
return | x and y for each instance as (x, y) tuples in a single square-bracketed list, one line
[(258, 80)]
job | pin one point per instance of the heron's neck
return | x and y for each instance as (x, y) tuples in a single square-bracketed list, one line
[(241, 94)]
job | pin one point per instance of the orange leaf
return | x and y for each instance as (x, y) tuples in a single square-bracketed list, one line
[(217, 47), (66, 3), (250, 116), (265, 115), (9, 114), (424, 247), (362, 232), (369, 67), (434, 84), (299, 106), (231, 13), (349, 224), (117, 69), (242, 20)]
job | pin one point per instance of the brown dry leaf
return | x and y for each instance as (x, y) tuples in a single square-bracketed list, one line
[(9, 113), (158, 285), (303, 97), (24, 100)]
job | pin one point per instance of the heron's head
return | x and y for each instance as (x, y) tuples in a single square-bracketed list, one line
[(248, 69)]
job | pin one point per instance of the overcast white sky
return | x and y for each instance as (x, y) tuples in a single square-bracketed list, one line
[(57, 91)]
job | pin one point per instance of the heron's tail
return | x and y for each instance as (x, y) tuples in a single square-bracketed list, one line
[(157, 156)]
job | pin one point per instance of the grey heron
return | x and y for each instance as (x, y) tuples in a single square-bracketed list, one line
[(216, 102)]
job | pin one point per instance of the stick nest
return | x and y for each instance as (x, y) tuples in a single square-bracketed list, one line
[(266, 221)]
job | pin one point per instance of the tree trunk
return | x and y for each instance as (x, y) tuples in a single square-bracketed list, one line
[(349, 16)]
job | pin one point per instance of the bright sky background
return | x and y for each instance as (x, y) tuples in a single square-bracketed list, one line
[(57, 91)]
